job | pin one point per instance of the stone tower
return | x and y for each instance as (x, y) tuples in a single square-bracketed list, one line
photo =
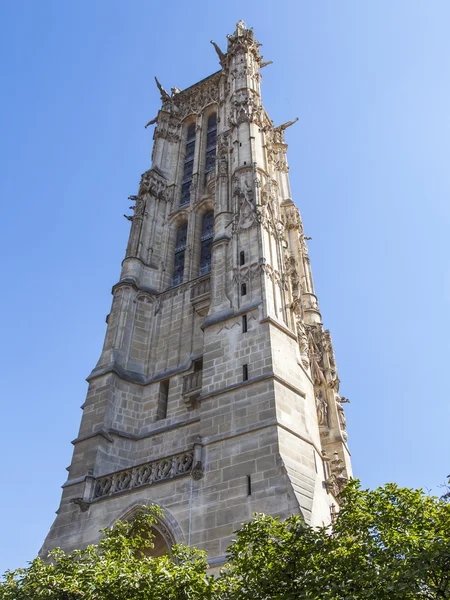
[(216, 394)]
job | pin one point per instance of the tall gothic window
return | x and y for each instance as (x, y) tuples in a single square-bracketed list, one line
[(205, 243), (188, 166), (211, 137), (180, 250)]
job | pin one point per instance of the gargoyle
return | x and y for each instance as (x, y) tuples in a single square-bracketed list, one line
[(220, 54), (152, 122), (164, 95)]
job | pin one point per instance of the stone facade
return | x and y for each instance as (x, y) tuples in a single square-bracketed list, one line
[(216, 394)]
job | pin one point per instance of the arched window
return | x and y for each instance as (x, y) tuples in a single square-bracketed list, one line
[(188, 166), (211, 137), (180, 250), (205, 242)]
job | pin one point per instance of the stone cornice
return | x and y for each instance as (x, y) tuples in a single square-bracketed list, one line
[(225, 315), (279, 326), (138, 378), (108, 435), (252, 381)]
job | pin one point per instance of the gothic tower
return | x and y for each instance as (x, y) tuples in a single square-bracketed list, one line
[(216, 394)]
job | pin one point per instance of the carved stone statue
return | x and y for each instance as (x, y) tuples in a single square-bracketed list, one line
[(164, 95), (247, 213), (240, 27), (341, 415), (322, 410), (304, 345)]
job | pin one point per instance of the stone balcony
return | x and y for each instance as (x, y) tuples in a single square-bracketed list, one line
[(201, 295), (192, 387)]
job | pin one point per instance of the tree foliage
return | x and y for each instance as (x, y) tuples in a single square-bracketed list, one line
[(116, 569), (390, 543)]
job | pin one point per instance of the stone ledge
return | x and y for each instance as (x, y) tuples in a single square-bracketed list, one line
[(253, 380), (228, 314), (136, 437), (138, 378), (279, 326)]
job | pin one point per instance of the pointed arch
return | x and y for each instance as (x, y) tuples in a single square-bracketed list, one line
[(166, 529)]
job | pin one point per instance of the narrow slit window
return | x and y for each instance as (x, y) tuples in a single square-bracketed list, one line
[(243, 289), (244, 324), (249, 485), (163, 397), (205, 242), (244, 372), (242, 258)]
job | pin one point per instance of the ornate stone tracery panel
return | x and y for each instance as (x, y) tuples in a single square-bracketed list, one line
[(193, 102)]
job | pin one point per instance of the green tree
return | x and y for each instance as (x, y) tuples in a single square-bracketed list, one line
[(390, 543), (116, 569)]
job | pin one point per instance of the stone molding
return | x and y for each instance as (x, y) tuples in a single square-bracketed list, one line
[(253, 380), (131, 436)]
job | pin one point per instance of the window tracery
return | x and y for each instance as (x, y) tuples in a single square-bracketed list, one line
[(211, 140), (179, 258), (188, 167)]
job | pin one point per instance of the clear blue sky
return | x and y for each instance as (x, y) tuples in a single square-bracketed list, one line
[(369, 160)]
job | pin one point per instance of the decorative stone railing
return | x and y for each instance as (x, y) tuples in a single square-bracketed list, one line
[(192, 382), (192, 387), (142, 475), (201, 288), (200, 296)]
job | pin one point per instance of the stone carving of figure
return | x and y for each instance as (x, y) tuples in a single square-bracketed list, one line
[(342, 419), (139, 207), (223, 166), (240, 27), (303, 343), (164, 95), (279, 228), (246, 208), (278, 132), (322, 410)]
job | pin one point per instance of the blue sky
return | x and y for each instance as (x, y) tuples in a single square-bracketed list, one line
[(369, 157)]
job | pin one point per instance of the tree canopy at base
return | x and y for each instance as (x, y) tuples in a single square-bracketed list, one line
[(390, 543)]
